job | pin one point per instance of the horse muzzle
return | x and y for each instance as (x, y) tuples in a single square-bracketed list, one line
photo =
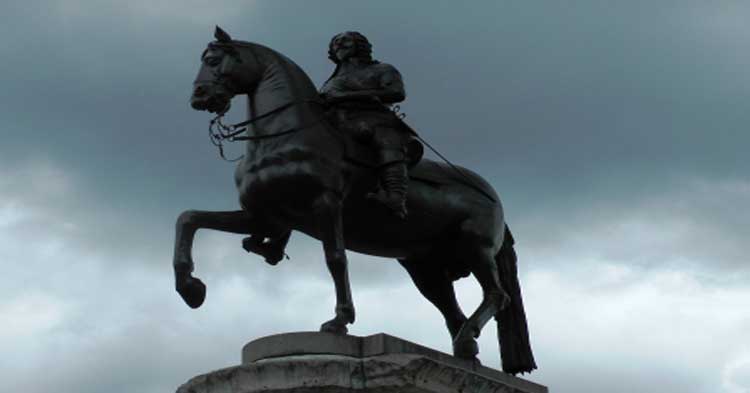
[(214, 100)]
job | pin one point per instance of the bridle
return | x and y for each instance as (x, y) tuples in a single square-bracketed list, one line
[(218, 132)]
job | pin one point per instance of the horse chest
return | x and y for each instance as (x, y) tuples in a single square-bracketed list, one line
[(290, 176)]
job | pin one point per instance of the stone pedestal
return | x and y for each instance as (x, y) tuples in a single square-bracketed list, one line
[(327, 363)]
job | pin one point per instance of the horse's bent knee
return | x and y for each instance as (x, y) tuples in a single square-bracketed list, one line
[(186, 218)]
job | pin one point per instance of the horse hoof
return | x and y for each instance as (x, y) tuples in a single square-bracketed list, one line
[(192, 291), (465, 349), (334, 327)]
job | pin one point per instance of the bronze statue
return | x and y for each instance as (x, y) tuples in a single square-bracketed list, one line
[(359, 92), (299, 172)]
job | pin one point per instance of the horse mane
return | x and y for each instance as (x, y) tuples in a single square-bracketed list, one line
[(281, 67)]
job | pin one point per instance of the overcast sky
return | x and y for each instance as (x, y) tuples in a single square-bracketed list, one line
[(614, 132)]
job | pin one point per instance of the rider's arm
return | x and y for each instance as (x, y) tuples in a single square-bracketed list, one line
[(390, 89), (392, 85)]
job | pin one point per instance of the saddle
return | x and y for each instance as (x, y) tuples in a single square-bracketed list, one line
[(364, 154), (359, 149)]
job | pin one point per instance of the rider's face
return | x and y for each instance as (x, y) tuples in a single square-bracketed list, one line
[(344, 47)]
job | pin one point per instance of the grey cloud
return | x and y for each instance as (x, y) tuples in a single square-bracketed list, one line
[(648, 328), (561, 102), (695, 225), (737, 377), (575, 314), (615, 134)]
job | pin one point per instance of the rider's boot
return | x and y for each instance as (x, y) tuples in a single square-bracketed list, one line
[(392, 193)]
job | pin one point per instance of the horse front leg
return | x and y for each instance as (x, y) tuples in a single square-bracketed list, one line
[(328, 210), (192, 290)]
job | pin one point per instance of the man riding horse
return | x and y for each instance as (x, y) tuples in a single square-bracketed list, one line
[(298, 173), (359, 94)]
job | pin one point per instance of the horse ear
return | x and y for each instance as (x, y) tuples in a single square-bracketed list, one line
[(221, 35)]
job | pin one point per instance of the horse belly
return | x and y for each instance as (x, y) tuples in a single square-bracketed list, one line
[(434, 225)]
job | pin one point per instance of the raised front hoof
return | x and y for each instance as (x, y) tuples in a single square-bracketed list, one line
[(272, 255), (466, 349), (192, 291), (334, 326)]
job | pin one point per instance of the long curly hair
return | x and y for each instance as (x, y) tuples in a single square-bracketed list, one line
[(363, 48)]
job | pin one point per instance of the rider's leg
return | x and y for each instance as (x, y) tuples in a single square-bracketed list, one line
[(393, 174), (393, 183)]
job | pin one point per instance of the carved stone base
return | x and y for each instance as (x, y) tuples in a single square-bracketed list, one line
[(327, 363)]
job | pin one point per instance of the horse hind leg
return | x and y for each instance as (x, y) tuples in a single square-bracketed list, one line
[(436, 287), (481, 262)]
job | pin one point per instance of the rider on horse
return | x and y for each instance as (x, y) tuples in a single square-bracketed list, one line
[(301, 182), (359, 94)]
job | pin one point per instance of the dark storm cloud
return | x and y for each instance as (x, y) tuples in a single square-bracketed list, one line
[(694, 225), (614, 132), (559, 97), (609, 99)]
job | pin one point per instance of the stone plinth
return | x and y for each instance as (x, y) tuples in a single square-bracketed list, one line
[(327, 363)]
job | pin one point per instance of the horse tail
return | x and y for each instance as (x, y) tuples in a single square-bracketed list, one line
[(512, 331)]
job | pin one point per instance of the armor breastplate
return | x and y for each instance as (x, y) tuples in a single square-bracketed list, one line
[(367, 78)]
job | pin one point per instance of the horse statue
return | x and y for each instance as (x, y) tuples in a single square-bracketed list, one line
[(300, 173)]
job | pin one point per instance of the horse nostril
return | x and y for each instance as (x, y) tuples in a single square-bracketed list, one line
[(199, 91)]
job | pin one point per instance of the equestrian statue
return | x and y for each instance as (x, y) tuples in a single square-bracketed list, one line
[(340, 165)]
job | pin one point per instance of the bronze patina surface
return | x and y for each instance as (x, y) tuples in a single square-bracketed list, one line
[(297, 173)]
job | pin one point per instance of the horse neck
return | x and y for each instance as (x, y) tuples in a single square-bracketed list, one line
[(282, 82)]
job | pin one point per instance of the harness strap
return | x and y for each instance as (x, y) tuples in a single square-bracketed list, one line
[(280, 133), (230, 132)]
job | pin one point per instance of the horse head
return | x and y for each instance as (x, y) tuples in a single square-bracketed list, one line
[(227, 69)]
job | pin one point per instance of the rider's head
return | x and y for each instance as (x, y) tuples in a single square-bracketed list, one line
[(349, 44)]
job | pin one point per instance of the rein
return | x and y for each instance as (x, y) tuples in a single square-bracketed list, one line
[(218, 132)]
